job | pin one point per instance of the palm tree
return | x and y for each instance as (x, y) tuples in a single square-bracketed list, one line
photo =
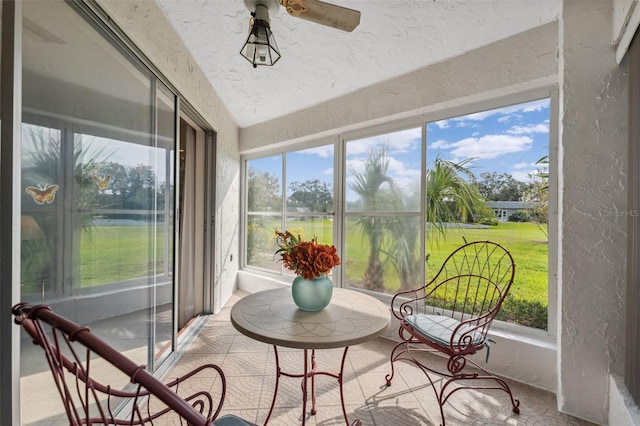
[(368, 185), (450, 197), (404, 252)]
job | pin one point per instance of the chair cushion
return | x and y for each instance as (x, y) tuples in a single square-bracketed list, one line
[(439, 328), (231, 420)]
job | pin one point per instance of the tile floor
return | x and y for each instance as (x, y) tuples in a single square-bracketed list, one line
[(250, 370)]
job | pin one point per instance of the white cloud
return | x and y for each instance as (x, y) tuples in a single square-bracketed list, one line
[(522, 175), (325, 151), (519, 173), (408, 180), (477, 116), (395, 167), (440, 143), (398, 170), (507, 112), (464, 122), (397, 142), (442, 124), (528, 129), (403, 177), (489, 146), (535, 105), (360, 147), (405, 145), (328, 172), (355, 166)]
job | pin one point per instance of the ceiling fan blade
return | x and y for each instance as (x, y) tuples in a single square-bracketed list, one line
[(323, 13)]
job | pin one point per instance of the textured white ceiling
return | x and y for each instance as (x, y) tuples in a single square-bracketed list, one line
[(320, 63)]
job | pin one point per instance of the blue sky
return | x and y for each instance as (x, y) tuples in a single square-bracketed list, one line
[(505, 140)]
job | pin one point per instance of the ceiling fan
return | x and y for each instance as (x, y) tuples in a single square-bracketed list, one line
[(260, 47), (323, 13)]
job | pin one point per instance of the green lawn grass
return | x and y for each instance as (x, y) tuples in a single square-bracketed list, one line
[(110, 254), (525, 241), (113, 253)]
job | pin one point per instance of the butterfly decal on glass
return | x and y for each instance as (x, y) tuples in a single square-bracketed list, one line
[(101, 182), (43, 193)]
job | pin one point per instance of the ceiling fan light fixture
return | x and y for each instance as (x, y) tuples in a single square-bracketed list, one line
[(260, 47)]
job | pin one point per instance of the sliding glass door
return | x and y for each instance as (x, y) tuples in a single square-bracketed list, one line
[(97, 203)]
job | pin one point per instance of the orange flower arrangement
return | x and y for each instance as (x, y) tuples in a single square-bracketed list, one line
[(306, 258)]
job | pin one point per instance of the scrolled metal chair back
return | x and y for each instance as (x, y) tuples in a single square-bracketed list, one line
[(473, 281), (130, 395)]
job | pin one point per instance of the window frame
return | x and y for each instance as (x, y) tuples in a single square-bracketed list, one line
[(283, 213), (420, 119), (375, 131)]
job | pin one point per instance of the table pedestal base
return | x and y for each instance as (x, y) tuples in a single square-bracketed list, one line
[(309, 374)]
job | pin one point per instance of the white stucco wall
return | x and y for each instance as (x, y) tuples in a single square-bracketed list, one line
[(147, 27), (592, 181), (522, 62)]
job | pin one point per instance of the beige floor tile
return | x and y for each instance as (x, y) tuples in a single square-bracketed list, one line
[(243, 392), (189, 361), (245, 364), (243, 343), (250, 369)]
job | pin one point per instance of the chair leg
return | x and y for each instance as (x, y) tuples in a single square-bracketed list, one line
[(397, 350), (515, 403), (402, 352), (455, 365), (500, 384)]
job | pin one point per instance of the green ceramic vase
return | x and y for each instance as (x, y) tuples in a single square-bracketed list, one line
[(312, 295)]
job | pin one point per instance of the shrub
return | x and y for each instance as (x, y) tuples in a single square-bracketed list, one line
[(491, 221), (518, 311), (530, 313), (259, 238), (519, 216)]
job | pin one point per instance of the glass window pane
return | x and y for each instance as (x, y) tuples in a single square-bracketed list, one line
[(264, 184), (164, 207), (40, 219), (309, 227), (97, 219), (310, 180), (261, 241), (309, 183), (383, 193), (264, 205), (487, 179), (383, 253), (383, 172), (116, 207)]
